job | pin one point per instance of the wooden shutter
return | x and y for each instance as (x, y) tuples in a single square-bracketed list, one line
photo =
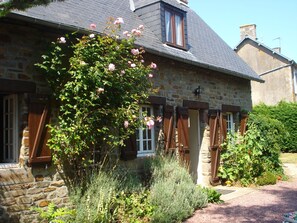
[(214, 119), (183, 134), (39, 117), (223, 127), (243, 122), (169, 129), (129, 151)]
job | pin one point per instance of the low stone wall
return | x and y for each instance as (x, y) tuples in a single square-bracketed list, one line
[(21, 189)]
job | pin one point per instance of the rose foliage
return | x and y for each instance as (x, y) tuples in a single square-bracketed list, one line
[(98, 82)]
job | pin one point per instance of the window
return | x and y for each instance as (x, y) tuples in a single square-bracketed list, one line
[(145, 136), (9, 132), (230, 122), (174, 28), (295, 81)]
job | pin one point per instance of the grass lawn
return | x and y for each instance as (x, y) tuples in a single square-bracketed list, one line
[(289, 158)]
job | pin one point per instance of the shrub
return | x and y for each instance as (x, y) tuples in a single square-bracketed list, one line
[(286, 113), (244, 158), (56, 215), (113, 196), (266, 178), (213, 196), (97, 203), (173, 192)]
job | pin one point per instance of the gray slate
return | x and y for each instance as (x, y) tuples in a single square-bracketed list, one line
[(206, 50)]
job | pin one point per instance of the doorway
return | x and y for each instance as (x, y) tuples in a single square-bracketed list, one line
[(195, 145)]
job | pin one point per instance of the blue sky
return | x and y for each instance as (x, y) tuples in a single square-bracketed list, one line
[(274, 19)]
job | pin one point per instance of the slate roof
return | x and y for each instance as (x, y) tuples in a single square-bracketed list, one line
[(206, 50), (273, 52)]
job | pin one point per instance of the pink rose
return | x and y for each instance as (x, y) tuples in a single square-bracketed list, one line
[(125, 33), (119, 21), (137, 33), (111, 67), (135, 51), (93, 26), (153, 65), (126, 124), (150, 124), (141, 27)]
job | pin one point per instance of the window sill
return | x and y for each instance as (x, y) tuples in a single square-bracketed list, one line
[(176, 46), (9, 165), (144, 155)]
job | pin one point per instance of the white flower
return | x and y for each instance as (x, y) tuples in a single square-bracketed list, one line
[(62, 40), (111, 67), (100, 90), (92, 35)]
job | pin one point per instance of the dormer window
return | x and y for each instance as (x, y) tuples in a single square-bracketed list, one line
[(174, 27)]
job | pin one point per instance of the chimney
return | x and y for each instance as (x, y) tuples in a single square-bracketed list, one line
[(248, 30)]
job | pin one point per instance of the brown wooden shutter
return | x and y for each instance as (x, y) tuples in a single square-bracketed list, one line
[(214, 118), (223, 127), (243, 122), (169, 129), (183, 134), (39, 117), (129, 151)]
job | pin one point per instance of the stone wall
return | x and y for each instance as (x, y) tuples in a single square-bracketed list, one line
[(177, 81), (25, 188)]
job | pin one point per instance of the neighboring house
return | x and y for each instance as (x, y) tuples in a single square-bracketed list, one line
[(203, 87), (278, 71)]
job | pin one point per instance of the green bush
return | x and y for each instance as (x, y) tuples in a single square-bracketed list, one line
[(56, 215), (266, 178), (113, 196), (213, 196), (286, 113), (96, 203), (245, 158), (173, 192)]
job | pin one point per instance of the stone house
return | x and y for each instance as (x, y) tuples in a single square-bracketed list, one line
[(203, 87), (278, 71)]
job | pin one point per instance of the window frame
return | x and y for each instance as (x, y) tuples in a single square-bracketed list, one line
[(230, 122), (173, 13), (13, 153), (140, 140)]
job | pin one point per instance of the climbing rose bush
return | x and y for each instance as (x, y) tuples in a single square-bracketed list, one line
[(98, 82)]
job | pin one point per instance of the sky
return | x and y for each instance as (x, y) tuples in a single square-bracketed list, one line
[(276, 21)]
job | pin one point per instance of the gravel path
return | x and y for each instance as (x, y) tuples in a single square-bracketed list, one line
[(264, 204)]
